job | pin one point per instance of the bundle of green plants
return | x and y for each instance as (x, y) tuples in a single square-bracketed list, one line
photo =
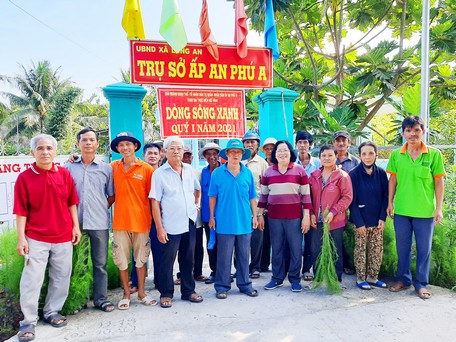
[(349, 244), (11, 263), (113, 271), (81, 278), (10, 314), (389, 262), (326, 263)]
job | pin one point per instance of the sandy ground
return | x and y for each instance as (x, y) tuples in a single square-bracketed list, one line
[(276, 315)]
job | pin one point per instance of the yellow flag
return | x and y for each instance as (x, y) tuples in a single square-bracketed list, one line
[(132, 20)]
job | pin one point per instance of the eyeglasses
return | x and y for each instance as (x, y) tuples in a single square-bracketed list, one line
[(282, 151)]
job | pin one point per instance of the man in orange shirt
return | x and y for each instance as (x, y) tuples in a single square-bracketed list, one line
[(132, 214)]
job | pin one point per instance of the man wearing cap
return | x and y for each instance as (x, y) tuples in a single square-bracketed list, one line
[(232, 205), (256, 164), (303, 142), (175, 198), (132, 215), (95, 187), (45, 200), (347, 161), (342, 141), (210, 152)]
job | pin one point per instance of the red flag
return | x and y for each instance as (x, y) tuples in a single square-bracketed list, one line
[(240, 29), (206, 34)]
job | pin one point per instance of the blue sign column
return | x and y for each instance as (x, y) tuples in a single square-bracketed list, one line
[(276, 113), (125, 111)]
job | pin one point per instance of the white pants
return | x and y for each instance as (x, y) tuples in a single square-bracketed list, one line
[(59, 256)]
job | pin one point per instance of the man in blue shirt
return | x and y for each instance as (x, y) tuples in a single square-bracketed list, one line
[(232, 203)]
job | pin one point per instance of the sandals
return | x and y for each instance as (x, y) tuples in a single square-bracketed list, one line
[(56, 320), (193, 298), (221, 295), (106, 306), (308, 277), (177, 281), (166, 302), (364, 285), (251, 293), (26, 333), (201, 278), (423, 293), (255, 275), (399, 286), (124, 304), (379, 284), (147, 300)]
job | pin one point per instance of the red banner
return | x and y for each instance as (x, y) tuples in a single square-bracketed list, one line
[(201, 113), (157, 63)]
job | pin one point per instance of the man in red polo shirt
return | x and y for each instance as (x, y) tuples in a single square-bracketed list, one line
[(45, 200)]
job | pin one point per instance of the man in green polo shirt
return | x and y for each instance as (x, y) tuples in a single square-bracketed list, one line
[(416, 176)]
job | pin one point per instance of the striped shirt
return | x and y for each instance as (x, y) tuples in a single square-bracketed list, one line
[(285, 195)]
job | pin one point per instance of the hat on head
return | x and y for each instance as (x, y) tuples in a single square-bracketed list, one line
[(269, 141), (187, 149), (342, 134), (304, 135), (251, 136), (235, 144), (124, 136), (208, 146)]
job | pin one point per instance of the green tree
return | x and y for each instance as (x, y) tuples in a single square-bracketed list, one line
[(332, 56), (38, 86)]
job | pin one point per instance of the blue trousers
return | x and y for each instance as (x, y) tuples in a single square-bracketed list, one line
[(423, 229), (226, 243), (185, 245), (99, 253), (286, 232)]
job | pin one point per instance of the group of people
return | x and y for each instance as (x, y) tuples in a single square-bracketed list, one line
[(265, 211)]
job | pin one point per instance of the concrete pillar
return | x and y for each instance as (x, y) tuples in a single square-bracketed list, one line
[(125, 111), (276, 113)]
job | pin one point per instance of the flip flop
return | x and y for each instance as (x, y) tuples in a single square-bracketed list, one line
[(56, 320), (24, 330), (201, 278), (106, 306), (399, 286), (379, 284), (364, 285), (308, 277), (124, 304), (166, 302), (423, 293), (251, 293), (147, 300), (193, 298), (255, 275), (221, 295)]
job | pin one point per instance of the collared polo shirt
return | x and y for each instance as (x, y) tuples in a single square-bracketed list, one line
[(233, 214), (415, 191), (94, 185), (258, 166), (132, 210), (348, 163), (176, 196), (314, 164), (43, 196)]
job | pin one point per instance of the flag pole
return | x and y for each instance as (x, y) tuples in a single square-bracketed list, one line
[(425, 97)]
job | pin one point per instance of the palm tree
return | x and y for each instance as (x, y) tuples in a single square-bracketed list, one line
[(38, 85)]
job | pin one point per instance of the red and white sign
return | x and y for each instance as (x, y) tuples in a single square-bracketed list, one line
[(156, 63), (201, 113)]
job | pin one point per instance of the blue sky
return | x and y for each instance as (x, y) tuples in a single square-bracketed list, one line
[(86, 39)]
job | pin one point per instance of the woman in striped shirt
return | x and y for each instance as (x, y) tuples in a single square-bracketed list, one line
[(285, 192)]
